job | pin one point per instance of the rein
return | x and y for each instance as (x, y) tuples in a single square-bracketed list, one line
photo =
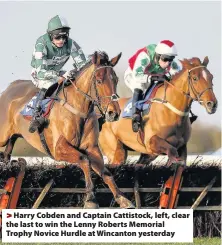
[(190, 87), (96, 102)]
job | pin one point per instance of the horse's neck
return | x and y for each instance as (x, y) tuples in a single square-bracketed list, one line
[(175, 94), (77, 99)]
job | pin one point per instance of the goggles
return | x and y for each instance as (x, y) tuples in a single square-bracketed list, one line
[(58, 37), (167, 58)]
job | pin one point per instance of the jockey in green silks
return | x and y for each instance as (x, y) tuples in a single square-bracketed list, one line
[(52, 50)]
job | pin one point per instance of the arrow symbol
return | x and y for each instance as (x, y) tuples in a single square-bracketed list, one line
[(9, 215)]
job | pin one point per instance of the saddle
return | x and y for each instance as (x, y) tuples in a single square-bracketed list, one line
[(47, 103), (142, 105)]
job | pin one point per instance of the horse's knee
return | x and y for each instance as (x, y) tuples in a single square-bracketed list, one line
[(84, 165), (154, 141), (158, 145), (105, 173), (66, 152)]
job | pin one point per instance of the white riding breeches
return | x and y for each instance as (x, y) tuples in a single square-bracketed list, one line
[(43, 83), (133, 83)]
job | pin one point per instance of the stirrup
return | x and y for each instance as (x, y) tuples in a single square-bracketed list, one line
[(135, 126), (37, 123), (34, 125), (136, 122)]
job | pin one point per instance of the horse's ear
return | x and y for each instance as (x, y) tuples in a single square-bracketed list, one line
[(205, 61), (185, 63), (115, 60), (96, 58), (182, 62)]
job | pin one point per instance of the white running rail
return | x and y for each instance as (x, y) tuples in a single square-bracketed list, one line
[(160, 160)]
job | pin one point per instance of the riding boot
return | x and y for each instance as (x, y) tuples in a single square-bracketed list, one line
[(37, 119), (136, 114)]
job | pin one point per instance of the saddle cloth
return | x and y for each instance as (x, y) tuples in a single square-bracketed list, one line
[(142, 105), (28, 109)]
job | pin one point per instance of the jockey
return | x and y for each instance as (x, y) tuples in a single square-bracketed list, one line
[(153, 61), (52, 51)]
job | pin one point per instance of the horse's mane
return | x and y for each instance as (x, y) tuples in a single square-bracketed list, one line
[(104, 60), (85, 66), (189, 62)]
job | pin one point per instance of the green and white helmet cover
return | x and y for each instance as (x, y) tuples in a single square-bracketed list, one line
[(57, 22)]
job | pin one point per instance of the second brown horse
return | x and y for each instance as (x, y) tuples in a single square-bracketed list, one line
[(167, 128)]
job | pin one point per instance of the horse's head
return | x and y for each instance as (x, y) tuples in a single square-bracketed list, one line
[(105, 85), (200, 83)]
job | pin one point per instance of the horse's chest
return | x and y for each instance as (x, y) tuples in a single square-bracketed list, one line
[(72, 130), (77, 131)]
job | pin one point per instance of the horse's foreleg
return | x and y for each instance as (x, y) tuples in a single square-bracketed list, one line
[(90, 201), (66, 152), (120, 154), (111, 147), (160, 146), (97, 164), (6, 155), (118, 195), (182, 151)]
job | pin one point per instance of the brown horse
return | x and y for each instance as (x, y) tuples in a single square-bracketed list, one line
[(167, 128), (73, 132)]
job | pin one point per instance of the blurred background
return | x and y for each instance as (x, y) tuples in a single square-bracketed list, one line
[(116, 27)]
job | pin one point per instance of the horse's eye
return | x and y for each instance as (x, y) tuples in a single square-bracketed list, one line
[(195, 78)]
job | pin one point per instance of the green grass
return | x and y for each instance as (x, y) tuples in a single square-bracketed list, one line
[(197, 241)]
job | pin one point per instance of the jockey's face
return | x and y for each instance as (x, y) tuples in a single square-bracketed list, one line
[(59, 40), (165, 61)]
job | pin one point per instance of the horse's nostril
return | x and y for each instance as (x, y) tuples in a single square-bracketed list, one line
[(116, 117), (210, 104), (110, 113)]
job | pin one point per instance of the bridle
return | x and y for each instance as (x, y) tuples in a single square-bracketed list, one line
[(191, 87), (97, 101)]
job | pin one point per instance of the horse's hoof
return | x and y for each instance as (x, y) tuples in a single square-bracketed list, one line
[(124, 203), (131, 206), (91, 205)]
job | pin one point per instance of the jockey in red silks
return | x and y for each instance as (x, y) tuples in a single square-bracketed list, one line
[(152, 60)]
